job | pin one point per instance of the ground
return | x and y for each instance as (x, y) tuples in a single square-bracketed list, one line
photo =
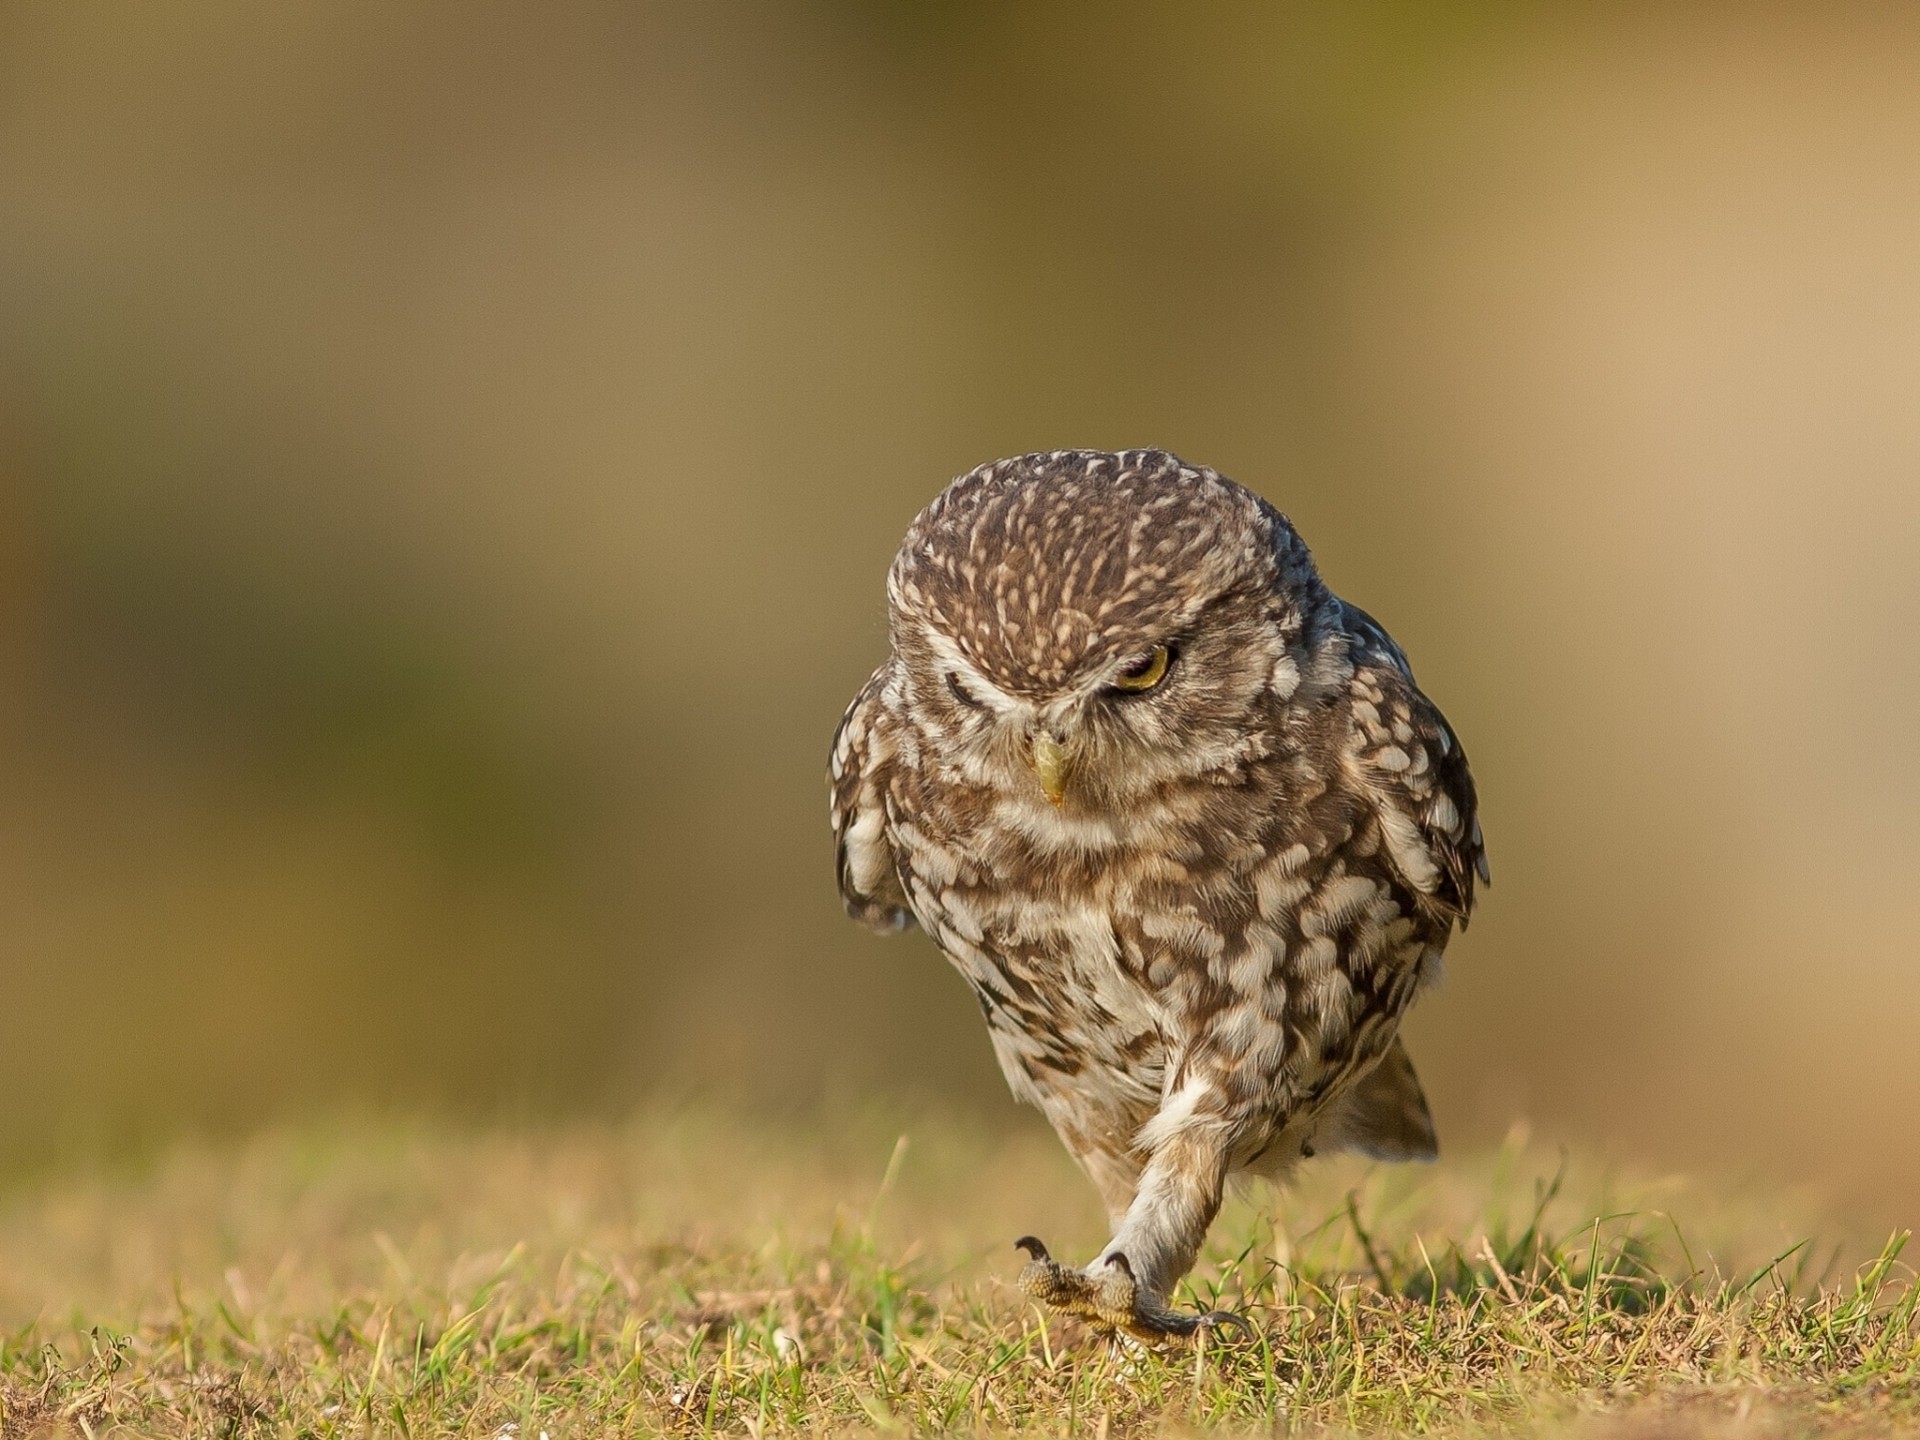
[(688, 1271)]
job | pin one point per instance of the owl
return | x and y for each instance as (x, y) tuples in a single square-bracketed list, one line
[(1184, 823)]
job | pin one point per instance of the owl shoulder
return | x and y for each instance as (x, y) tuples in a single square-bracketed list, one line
[(863, 754), (1411, 766)]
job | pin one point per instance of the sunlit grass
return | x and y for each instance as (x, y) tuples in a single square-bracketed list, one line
[(693, 1273)]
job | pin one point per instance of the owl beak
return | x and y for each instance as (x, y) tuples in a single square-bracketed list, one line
[(1050, 764)]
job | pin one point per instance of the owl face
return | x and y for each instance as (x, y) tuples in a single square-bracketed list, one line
[(1081, 632)]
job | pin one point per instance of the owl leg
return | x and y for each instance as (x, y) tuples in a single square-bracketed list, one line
[(1110, 1164), (1156, 1243)]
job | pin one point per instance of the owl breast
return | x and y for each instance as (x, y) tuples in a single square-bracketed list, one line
[(1260, 950)]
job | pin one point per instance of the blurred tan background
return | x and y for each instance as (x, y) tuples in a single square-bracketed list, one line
[(449, 456)]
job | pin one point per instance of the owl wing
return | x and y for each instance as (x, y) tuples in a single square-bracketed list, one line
[(863, 753), (1409, 762)]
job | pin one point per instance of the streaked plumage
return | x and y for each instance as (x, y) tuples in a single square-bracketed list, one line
[(1194, 913)]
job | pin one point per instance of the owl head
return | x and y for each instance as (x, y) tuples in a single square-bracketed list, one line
[(1081, 630)]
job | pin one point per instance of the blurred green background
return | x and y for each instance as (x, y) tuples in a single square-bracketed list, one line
[(449, 456)]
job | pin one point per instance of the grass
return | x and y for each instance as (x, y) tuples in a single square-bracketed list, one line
[(689, 1273)]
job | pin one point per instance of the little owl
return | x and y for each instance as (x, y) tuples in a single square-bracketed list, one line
[(1180, 816)]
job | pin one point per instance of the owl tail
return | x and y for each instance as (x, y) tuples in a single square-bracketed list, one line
[(1384, 1114)]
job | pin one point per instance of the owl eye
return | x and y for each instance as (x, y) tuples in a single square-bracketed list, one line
[(960, 692), (1141, 675)]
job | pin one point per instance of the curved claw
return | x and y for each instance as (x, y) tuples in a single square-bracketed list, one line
[(1112, 1301), (1214, 1319), (1150, 1322)]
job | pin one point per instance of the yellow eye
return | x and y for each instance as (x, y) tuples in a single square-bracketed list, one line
[(1146, 672)]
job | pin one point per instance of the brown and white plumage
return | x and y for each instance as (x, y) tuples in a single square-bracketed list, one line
[(1181, 818)]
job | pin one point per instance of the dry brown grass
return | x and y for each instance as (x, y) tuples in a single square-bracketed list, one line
[(691, 1272)]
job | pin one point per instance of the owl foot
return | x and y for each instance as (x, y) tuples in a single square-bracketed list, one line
[(1106, 1296)]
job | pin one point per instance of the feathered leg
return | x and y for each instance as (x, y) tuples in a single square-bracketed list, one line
[(1157, 1241)]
